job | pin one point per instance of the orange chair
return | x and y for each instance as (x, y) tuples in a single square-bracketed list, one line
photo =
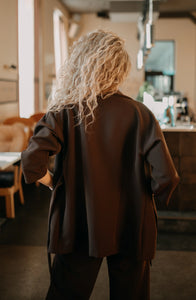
[(26, 124), (36, 117), (12, 139)]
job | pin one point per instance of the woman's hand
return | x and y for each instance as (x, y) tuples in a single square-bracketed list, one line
[(47, 180)]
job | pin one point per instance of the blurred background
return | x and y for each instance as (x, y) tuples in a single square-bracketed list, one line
[(35, 38)]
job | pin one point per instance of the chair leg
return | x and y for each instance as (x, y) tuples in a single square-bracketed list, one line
[(10, 209), (21, 194)]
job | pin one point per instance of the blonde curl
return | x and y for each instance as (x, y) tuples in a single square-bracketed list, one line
[(97, 65)]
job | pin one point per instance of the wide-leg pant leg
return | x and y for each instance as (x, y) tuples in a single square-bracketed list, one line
[(129, 279), (73, 276)]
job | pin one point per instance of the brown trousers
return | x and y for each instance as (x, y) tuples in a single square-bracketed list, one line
[(74, 275)]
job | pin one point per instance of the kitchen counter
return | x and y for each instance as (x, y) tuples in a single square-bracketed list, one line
[(182, 146), (182, 127)]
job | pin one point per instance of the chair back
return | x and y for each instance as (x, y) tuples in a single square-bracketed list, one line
[(36, 117), (26, 124), (12, 138)]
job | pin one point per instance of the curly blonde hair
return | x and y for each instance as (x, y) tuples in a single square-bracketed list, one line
[(97, 65)]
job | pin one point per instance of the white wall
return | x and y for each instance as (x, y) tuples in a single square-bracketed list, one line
[(128, 31), (182, 31)]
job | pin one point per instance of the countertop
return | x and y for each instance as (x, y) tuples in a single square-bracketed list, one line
[(180, 127)]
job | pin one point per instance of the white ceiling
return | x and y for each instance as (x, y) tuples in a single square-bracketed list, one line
[(89, 6)]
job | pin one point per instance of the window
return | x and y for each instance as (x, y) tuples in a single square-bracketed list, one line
[(160, 67), (60, 39)]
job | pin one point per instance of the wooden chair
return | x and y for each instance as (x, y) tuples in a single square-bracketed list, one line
[(36, 117), (25, 123), (12, 139)]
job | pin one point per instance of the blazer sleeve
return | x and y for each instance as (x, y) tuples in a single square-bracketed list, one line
[(47, 140), (164, 177)]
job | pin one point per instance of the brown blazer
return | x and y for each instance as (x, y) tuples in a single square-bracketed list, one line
[(102, 185)]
